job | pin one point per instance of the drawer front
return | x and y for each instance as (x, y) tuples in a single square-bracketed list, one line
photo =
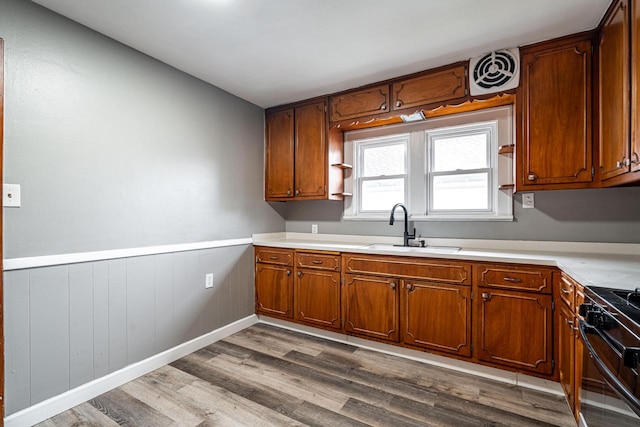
[(318, 261), (274, 256), (410, 268), (567, 290), (361, 103), (514, 277)]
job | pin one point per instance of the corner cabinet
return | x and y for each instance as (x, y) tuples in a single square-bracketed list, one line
[(298, 153), (554, 143)]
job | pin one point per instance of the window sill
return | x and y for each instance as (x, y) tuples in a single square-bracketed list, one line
[(430, 218)]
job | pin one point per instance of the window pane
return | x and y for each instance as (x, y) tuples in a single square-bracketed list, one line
[(461, 192), (460, 152), (382, 194), (384, 160)]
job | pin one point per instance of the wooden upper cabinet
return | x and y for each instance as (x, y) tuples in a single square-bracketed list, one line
[(361, 103), (443, 85), (614, 92), (310, 151), (555, 142), (279, 149), (635, 84)]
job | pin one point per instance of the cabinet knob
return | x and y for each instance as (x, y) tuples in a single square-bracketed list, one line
[(409, 287), (288, 272), (299, 273), (398, 103), (485, 296), (531, 177), (392, 285), (297, 191), (568, 322), (383, 106), (288, 192)]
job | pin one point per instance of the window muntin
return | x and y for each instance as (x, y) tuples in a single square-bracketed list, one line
[(382, 173)]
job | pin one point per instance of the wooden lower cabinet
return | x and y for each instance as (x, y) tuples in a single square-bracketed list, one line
[(317, 298), (514, 328), (436, 316), (371, 307), (274, 290), (566, 352)]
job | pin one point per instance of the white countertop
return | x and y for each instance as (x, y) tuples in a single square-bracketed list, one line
[(610, 265)]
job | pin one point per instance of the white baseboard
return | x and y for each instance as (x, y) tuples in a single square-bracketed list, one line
[(62, 402), (496, 374)]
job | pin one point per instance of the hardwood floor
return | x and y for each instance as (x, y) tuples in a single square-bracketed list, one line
[(266, 376)]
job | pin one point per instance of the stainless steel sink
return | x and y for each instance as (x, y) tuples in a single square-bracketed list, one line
[(414, 249)]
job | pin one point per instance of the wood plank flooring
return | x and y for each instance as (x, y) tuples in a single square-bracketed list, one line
[(267, 376)]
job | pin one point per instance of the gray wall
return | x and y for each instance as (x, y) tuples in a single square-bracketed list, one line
[(597, 215), (67, 325), (114, 149)]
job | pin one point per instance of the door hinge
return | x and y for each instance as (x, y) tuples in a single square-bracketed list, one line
[(553, 305), (593, 171), (325, 105), (472, 348), (256, 258), (471, 300), (553, 365), (325, 188)]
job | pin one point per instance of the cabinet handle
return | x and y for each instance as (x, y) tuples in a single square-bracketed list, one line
[(398, 103), (288, 192), (383, 106), (512, 279), (409, 287), (273, 257), (486, 296), (531, 177), (316, 261), (288, 272), (568, 322), (392, 285), (564, 291), (299, 273), (297, 191)]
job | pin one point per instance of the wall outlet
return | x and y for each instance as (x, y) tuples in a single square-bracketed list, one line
[(11, 195), (528, 201), (208, 280), (314, 228)]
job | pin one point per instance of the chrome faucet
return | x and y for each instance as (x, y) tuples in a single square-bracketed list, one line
[(407, 236)]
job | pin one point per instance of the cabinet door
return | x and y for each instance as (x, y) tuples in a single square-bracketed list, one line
[(514, 328), (371, 307), (310, 153), (317, 298), (614, 90), (635, 85), (433, 87), (555, 92), (274, 290), (566, 353), (361, 103), (279, 155), (437, 316)]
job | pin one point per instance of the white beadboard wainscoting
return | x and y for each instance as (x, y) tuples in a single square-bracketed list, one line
[(82, 318)]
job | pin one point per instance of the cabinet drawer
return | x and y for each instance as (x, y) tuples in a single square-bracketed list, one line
[(360, 103), (274, 256), (318, 261), (439, 86), (567, 287), (413, 268), (514, 277)]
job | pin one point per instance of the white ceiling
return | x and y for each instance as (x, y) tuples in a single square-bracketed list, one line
[(271, 52)]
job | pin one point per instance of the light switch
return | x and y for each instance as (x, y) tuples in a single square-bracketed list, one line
[(11, 195), (528, 200)]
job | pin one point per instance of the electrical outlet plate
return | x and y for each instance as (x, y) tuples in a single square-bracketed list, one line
[(11, 195), (208, 280), (314, 228), (528, 201)]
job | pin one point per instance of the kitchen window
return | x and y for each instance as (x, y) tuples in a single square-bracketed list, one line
[(445, 168)]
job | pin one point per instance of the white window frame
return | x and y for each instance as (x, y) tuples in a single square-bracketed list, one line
[(417, 197)]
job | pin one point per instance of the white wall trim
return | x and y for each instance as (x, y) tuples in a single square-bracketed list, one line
[(73, 258), (62, 402)]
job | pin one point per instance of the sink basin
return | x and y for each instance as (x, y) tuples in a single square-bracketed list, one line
[(415, 249)]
